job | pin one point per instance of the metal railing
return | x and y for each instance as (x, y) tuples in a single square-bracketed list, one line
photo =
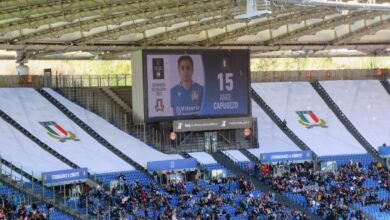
[(60, 80), (33, 191), (320, 75)]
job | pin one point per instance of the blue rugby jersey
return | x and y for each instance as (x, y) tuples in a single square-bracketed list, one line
[(186, 101)]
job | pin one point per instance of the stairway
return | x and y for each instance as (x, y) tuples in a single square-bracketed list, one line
[(249, 155), (97, 101), (386, 84), (91, 132), (116, 99), (345, 121), (185, 155), (125, 93), (224, 160), (44, 146), (293, 137)]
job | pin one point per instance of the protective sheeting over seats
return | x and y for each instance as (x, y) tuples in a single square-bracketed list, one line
[(22, 152), (129, 145), (236, 155), (290, 99), (270, 137), (38, 116), (366, 104), (203, 157)]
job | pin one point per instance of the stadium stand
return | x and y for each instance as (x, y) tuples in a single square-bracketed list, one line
[(98, 147), (288, 98), (29, 108), (366, 98), (129, 145), (277, 120), (271, 137), (331, 194), (345, 121), (34, 159)]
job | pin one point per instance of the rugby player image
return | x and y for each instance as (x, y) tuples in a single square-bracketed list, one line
[(187, 95)]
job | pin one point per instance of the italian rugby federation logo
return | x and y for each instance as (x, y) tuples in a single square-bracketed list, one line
[(54, 130), (310, 120)]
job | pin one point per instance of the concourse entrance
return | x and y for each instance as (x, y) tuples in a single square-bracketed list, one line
[(210, 142)]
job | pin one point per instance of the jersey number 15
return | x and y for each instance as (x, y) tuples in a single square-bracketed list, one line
[(225, 81)]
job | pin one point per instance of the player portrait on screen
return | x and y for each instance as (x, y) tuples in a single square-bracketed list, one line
[(187, 95)]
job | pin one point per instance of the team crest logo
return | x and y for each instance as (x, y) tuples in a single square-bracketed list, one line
[(54, 130), (159, 105), (158, 68), (310, 120), (195, 96)]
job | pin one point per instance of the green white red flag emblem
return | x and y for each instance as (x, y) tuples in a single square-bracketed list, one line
[(55, 130), (310, 120)]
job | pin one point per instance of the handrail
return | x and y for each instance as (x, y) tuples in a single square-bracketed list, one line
[(113, 80), (320, 75)]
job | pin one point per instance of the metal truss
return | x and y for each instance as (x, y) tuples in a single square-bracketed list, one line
[(323, 25), (164, 21), (384, 23), (268, 24)]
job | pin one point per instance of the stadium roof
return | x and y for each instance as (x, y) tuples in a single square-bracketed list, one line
[(110, 29)]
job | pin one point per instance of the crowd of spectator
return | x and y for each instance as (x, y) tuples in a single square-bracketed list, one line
[(11, 208), (224, 198), (329, 193)]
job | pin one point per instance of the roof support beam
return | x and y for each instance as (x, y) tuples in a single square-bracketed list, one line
[(265, 25), (325, 24), (384, 23), (76, 10), (138, 13), (27, 10), (168, 20), (192, 28)]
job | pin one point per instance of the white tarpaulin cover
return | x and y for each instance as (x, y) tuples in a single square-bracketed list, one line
[(237, 155), (366, 104), (293, 102), (31, 110), (19, 150), (271, 138), (203, 157), (129, 145)]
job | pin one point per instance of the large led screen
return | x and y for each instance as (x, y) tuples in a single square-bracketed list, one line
[(196, 84)]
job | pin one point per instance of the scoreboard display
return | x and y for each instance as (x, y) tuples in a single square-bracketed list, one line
[(196, 83)]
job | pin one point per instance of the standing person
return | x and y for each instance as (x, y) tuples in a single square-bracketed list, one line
[(186, 97)]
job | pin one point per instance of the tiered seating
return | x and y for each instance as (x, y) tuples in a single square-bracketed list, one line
[(364, 159), (38, 189), (351, 185), (378, 183), (374, 211), (139, 195), (13, 200), (217, 166)]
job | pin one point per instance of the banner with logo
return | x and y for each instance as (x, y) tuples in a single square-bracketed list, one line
[(290, 156), (196, 83), (62, 177), (212, 124), (384, 151), (167, 165)]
